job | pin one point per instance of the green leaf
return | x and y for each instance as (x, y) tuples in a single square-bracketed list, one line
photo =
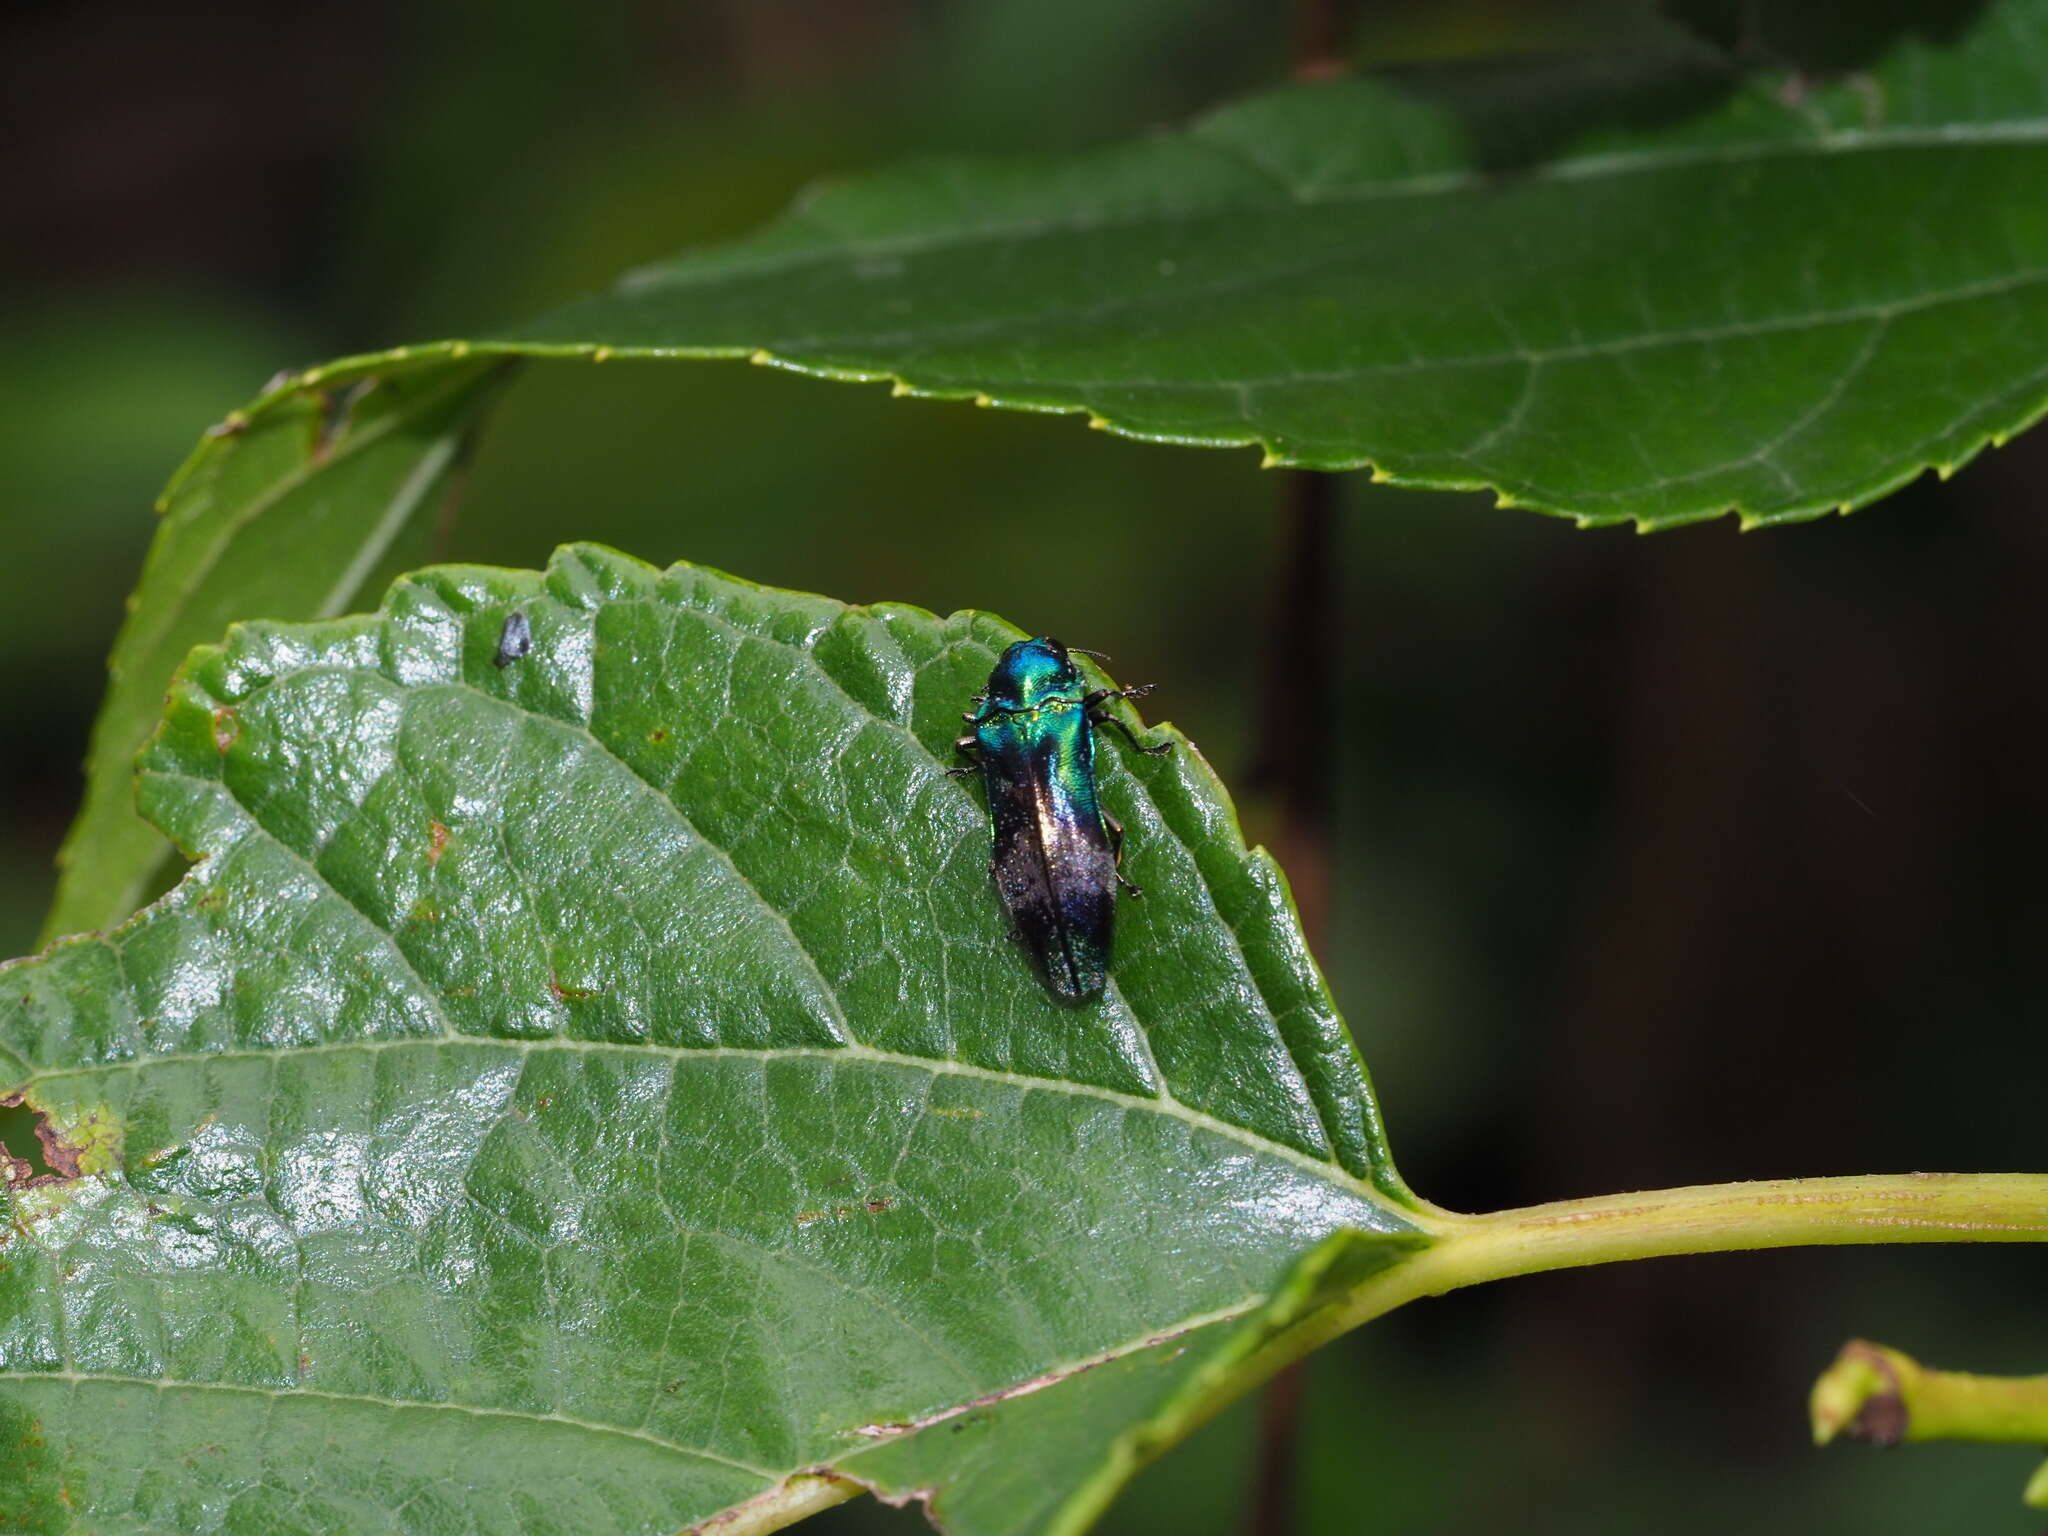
[(1643, 287), (304, 509), (591, 1092)]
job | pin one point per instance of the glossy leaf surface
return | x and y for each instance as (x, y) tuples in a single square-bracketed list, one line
[(305, 509), (582, 1093)]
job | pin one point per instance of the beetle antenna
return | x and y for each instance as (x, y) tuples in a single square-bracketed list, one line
[(1086, 652)]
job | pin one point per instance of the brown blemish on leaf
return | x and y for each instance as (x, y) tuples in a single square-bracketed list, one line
[(657, 736), (873, 1207), (437, 841), (570, 994), (227, 729), (60, 1156)]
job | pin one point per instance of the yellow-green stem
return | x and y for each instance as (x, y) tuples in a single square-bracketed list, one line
[(1874, 1392), (1709, 1218)]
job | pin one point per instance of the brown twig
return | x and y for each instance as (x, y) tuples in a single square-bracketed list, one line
[(1293, 759), (1292, 763)]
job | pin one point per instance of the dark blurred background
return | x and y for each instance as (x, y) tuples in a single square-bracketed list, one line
[(1681, 859)]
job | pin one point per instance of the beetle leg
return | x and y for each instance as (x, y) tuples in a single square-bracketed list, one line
[(965, 744), (1164, 746), (1135, 691), (1116, 844)]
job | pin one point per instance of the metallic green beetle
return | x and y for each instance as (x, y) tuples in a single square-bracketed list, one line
[(1056, 849)]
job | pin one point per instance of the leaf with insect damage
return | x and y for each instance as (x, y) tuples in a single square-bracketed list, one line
[(584, 1084)]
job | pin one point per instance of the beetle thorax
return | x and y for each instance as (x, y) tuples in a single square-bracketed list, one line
[(1033, 673)]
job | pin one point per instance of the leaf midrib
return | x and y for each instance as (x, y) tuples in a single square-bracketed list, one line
[(1331, 1172), (440, 1405)]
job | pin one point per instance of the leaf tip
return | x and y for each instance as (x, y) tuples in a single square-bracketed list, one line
[(2035, 1495)]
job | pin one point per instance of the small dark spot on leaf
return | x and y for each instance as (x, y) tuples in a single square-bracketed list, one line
[(657, 736), (875, 1206), (227, 729), (437, 841), (544, 1102), (672, 1387), (514, 640), (337, 410)]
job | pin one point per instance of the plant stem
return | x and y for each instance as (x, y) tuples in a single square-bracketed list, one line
[(1726, 1218), (1706, 1218), (1872, 1392), (1294, 765), (1293, 758)]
